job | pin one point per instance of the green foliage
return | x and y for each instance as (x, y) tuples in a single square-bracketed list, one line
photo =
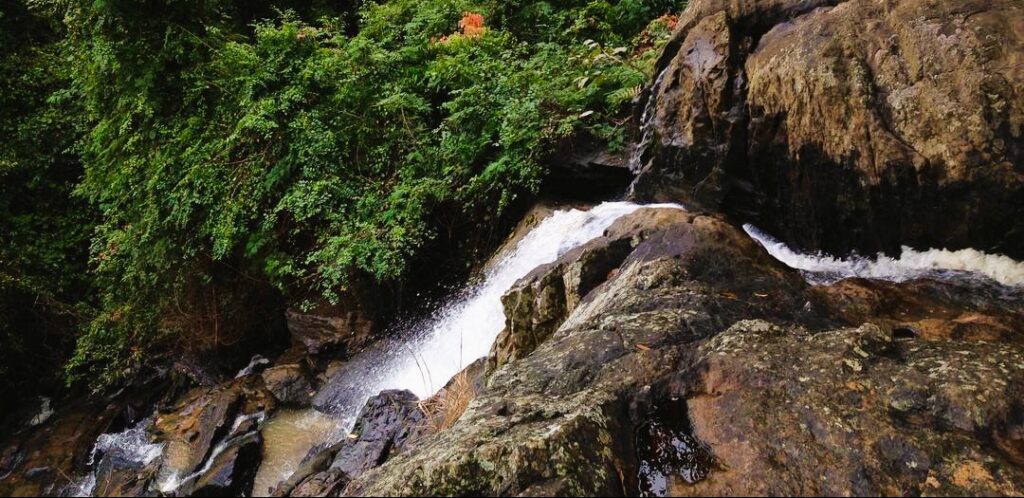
[(305, 147), (44, 233)]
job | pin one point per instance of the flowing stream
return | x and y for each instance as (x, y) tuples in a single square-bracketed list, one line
[(433, 350), (911, 264), (421, 360), (463, 330)]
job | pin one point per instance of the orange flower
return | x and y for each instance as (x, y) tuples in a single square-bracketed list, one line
[(472, 24), (670, 21)]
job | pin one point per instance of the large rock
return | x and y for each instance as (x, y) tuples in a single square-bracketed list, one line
[(842, 125), (289, 383), (700, 365), (47, 459), (389, 423), (536, 306), (231, 471), (859, 414), (556, 420), (345, 327), (211, 437)]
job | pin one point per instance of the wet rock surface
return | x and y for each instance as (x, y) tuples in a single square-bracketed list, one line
[(845, 125), (769, 388), (46, 459), (289, 384), (208, 430), (389, 424), (861, 413)]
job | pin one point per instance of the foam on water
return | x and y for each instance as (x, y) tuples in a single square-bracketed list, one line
[(256, 362), (45, 412), (911, 264), (81, 487), (132, 444), (464, 330), (422, 360), (169, 483)]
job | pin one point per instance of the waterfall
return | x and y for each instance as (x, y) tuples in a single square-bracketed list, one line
[(636, 160), (131, 445), (910, 264), (463, 330), (421, 360)]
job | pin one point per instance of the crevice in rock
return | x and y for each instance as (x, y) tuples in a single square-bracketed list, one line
[(669, 456)]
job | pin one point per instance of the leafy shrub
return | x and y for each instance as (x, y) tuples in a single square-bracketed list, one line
[(317, 147), (44, 231)]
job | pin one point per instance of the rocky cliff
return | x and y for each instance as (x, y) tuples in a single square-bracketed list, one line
[(697, 365), (846, 125)]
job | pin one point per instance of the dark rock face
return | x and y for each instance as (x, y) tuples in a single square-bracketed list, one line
[(330, 482), (390, 423), (211, 438), (45, 459), (289, 383), (345, 327), (846, 125), (585, 169), (860, 413), (699, 365), (231, 472)]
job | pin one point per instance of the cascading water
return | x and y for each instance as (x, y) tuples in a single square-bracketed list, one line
[(432, 351), (636, 160), (130, 446), (911, 264), (421, 361), (463, 330)]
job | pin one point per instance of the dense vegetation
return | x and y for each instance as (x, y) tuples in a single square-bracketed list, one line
[(44, 231), (211, 152)]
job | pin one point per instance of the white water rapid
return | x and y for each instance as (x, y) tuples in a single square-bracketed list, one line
[(422, 360), (911, 264), (464, 330)]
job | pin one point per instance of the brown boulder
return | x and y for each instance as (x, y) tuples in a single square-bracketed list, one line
[(208, 433), (344, 327), (859, 413), (843, 125), (289, 383), (557, 420), (700, 365)]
